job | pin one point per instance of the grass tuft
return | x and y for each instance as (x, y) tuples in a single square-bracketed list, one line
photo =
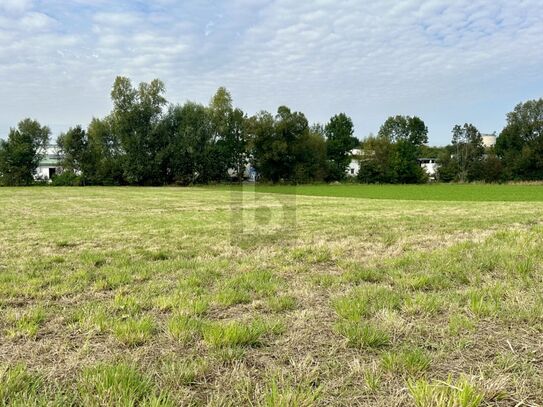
[(185, 328), (362, 335), (239, 334), (119, 385), (450, 393), (134, 331)]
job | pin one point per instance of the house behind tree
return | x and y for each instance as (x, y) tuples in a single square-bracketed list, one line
[(50, 164)]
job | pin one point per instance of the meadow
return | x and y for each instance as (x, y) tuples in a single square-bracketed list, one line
[(210, 296)]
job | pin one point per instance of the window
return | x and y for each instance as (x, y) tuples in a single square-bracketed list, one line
[(352, 171), (52, 172)]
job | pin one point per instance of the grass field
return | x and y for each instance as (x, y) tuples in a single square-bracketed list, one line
[(424, 192), (196, 296)]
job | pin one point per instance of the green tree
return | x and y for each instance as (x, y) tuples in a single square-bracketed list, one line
[(520, 143), (136, 113), (468, 151), (377, 161), (276, 141), (447, 170), (311, 161), (408, 134), (267, 150), (74, 148), (105, 155), (339, 143), (21, 154), (409, 129), (190, 153), (229, 134)]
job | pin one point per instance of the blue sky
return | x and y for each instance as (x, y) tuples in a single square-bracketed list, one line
[(446, 61)]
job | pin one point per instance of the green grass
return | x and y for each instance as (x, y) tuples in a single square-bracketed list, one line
[(430, 296), (429, 192), (449, 393), (239, 334)]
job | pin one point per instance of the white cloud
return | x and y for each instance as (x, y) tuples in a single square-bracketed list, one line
[(36, 22), (15, 6), (446, 61)]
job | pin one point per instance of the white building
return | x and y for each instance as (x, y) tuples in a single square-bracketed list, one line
[(354, 166), (50, 164), (489, 140), (429, 165)]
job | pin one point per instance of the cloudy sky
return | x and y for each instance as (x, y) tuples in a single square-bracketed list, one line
[(445, 61)]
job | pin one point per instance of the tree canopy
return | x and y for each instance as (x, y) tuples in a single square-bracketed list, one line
[(145, 140), (21, 153)]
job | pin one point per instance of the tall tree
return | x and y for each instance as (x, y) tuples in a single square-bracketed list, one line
[(377, 161), (229, 134), (136, 113), (311, 161), (104, 165), (339, 143), (405, 128), (20, 155), (520, 144), (408, 134), (267, 150), (190, 152), (276, 143), (469, 151), (74, 148)]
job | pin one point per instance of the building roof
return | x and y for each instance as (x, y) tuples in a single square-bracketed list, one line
[(51, 157)]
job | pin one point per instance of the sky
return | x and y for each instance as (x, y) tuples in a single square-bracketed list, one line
[(448, 62)]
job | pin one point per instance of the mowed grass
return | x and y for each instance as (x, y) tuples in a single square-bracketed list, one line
[(211, 296), (427, 192)]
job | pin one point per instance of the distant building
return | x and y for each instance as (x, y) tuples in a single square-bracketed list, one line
[(354, 166), (50, 164), (430, 166), (489, 140), (249, 172)]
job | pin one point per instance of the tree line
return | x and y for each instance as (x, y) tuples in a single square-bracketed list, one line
[(147, 141)]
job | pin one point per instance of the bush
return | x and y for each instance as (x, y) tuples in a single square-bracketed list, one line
[(66, 178)]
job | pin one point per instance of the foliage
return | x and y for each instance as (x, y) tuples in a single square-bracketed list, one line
[(340, 141), (520, 144), (146, 141), (285, 148), (392, 156), (67, 178), (136, 113), (21, 154), (469, 151)]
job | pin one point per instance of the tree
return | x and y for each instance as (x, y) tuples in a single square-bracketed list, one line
[(520, 143), (136, 113), (190, 153), (311, 160), (267, 150), (21, 154), (377, 161), (277, 142), (405, 129), (469, 151), (339, 143), (408, 134), (105, 154), (447, 170), (229, 134), (74, 148)]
